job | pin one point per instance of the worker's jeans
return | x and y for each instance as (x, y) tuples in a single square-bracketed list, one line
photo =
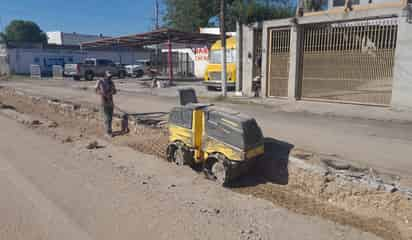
[(108, 116)]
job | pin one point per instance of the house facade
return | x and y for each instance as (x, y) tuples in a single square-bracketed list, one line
[(360, 55)]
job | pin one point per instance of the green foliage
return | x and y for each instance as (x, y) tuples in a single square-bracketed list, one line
[(24, 31), (313, 5), (190, 15), (2, 37), (256, 11)]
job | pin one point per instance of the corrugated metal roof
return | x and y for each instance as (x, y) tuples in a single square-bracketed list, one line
[(152, 38)]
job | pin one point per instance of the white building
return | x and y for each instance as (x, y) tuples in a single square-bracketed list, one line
[(4, 67), (15, 59), (200, 54), (215, 31), (71, 39), (341, 3), (20, 59), (62, 48)]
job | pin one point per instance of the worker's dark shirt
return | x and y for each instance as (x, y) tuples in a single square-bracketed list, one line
[(106, 89)]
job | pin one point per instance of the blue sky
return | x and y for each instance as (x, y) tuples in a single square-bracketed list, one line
[(110, 17)]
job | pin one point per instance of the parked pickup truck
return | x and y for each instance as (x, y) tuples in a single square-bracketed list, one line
[(138, 69), (93, 67)]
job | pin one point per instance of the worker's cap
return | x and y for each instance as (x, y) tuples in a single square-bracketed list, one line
[(108, 74)]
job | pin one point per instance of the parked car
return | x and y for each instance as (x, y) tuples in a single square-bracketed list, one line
[(139, 68), (93, 67)]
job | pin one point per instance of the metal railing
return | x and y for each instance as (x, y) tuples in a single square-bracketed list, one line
[(279, 62), (351, 61), (183, 65)]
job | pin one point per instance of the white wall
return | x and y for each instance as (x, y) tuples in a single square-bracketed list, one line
[(215, 31), (21, 59), (364, 2), (54, 38), (70, 39), (4, 61), (201, 61), (402, 83)]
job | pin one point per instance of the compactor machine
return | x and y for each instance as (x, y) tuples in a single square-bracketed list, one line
[(224, 143)]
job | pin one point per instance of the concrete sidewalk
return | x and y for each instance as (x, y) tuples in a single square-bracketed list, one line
[(369, 136)]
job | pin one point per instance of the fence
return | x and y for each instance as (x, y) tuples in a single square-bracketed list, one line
[(279, 62), (351, 62), (183, 65)]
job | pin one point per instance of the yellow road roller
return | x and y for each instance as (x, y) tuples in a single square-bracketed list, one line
[(225, 144)]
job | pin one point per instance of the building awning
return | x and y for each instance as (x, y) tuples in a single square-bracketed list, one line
[(153, 38)]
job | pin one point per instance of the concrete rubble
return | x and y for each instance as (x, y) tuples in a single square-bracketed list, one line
[(92, 145)]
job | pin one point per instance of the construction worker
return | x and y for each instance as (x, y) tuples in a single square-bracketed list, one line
[(106, 89)]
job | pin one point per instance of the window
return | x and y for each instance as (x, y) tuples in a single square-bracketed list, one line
[(104, 62), (341, 3), (182, 117), (89, 62), (216, 56), (187, 117), (217, 128)]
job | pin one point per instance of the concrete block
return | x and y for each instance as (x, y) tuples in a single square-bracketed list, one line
[(294, 62), (402, 84), (247, 67)]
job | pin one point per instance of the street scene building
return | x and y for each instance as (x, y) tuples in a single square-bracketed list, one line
[(17, 59), (232, 120), (71, 39), (341, 55)]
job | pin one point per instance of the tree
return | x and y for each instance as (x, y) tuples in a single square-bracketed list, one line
[(190, 15), (24, 31), (2, 37), (255, 11), (314, 5)]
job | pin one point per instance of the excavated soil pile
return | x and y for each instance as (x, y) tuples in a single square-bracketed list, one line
[(315, 190)]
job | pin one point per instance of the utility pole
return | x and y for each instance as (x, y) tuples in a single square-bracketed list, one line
[(223, 39), (158, 54), (156, 14), (300, 8), (1, 25)]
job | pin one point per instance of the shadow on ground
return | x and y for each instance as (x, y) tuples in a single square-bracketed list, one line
[(4, 106), (273, 167)]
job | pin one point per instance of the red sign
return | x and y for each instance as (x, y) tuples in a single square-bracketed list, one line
[(201, 54)]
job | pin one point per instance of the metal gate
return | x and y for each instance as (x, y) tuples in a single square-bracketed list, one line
[(183, 65), (279, 62), (349, 62), (257, 56)]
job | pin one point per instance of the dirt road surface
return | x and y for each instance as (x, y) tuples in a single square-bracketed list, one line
[(56, 190), (383, 145)]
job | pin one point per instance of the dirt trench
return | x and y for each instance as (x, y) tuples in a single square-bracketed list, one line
[(275, 179)]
